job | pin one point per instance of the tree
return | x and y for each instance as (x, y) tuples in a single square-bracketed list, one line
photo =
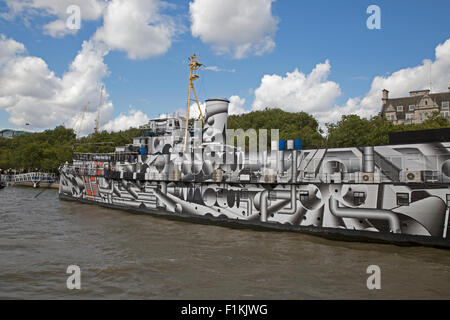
[(351, 130), (291, 125)]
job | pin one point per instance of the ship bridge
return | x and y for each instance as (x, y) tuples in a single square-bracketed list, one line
[(159, 133)]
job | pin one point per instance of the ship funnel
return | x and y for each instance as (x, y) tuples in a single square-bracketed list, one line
[(216, 120)]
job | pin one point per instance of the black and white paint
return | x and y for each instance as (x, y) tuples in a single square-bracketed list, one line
[(394, 189)]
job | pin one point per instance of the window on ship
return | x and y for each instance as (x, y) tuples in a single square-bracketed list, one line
[(304, 195), (359, 198), (402, 199)]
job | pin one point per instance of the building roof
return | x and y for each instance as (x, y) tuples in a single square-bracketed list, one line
[(438, 98), (15, 131), (12, 132)]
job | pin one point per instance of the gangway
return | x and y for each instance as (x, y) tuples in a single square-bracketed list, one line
[(33, 177)]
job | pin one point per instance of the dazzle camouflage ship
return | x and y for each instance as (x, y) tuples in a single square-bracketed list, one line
[(396, 193)]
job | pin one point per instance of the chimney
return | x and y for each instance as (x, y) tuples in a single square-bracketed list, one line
[(419, 93), (385, 94)]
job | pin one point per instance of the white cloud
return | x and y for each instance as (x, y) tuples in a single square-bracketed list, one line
[(399, 84), (133, 119), (317, 95), (218, 69), (236, 105), (136, 118), (194, 113), (32, 93), (9, 48), (90, 10), (136, 27), (297, 91), (238, 27), (58, 29)]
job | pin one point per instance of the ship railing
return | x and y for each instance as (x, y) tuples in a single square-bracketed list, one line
[(86, 171), (127, 156), (31, 177), (101, 157), (310, 177), (426, 176)]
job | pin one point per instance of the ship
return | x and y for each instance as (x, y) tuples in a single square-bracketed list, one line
[(194, 171)]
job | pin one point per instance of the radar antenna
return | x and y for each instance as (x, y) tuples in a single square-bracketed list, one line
[(194, 65)]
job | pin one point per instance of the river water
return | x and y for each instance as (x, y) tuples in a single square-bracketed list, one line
[(127, 256)]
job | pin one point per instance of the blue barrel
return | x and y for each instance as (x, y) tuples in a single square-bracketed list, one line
[(282, 145), (143, 151), (298, 144)]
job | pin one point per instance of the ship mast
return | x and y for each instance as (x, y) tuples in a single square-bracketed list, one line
[(194, 65)]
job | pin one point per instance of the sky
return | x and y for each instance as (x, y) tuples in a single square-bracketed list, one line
[(318, 56)]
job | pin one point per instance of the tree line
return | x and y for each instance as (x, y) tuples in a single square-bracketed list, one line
[(46, 151), (351, 130)]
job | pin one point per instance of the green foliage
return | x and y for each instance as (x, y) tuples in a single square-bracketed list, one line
[(355, 131), (47, 150), (105, 142), (43, 151), (291, 125)]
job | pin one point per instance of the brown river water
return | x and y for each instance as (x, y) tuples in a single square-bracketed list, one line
[(128, 256)]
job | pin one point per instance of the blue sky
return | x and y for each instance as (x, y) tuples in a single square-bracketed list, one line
[(307, 33)]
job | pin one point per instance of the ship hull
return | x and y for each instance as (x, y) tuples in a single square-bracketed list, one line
[(327, 233), (325, 212)]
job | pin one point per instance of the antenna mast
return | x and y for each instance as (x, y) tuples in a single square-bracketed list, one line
[(79, 123), (194, 65), (97, 121), (431, 83)]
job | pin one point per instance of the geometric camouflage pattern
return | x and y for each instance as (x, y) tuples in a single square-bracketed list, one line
[(400, 189)]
